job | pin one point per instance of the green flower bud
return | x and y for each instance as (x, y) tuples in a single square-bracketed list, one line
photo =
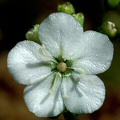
[(113, 3), (114, 17), (66, 7), (79, 17), (32, 34), (109, 28)]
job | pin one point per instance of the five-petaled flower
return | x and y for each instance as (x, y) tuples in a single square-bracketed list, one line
[(60, 73)]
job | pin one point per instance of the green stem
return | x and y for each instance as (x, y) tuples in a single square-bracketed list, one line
[(69, 116)]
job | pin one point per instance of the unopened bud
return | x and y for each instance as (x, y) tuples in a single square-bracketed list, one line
[(79, 17), (66, 7), (109, 28), (32, 34)]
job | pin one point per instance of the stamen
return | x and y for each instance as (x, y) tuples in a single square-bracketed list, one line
[(54, 86), (83, 71), (32, 81), (45, 54)]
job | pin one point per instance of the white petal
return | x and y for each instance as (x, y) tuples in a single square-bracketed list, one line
[(84, 95), (26, 64), (60, 33), (41, 102), (96, 53)]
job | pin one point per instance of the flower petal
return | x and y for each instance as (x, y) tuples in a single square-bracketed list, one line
[(41, 102), (84, 95), (60, 33), (96, 53), (26, 64)]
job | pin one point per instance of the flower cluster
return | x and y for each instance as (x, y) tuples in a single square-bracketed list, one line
[(61, 72)]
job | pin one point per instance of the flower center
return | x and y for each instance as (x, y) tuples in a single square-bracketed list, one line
[(62, 67)]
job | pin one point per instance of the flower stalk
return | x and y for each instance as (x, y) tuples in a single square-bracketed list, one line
[(69, 116)]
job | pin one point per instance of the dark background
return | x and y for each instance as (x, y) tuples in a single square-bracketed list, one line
[(16, 18)]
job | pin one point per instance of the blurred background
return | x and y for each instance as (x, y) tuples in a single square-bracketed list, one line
[(18, 16)]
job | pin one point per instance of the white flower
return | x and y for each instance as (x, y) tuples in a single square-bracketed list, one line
[(61, 73)]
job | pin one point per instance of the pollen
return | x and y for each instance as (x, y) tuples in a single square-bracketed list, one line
[(62, 67)]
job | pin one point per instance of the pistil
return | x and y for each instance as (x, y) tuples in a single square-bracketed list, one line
[(62, 67)]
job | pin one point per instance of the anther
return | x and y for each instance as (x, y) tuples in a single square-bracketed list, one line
[(46, 54)]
